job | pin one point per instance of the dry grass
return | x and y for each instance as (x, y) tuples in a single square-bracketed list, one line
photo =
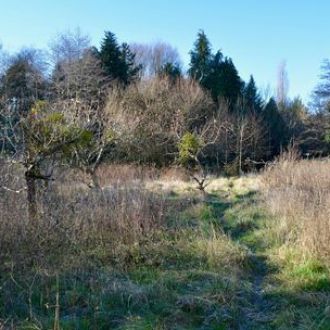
[(118, 252), (147, 251), (75, 222), (298, 195)]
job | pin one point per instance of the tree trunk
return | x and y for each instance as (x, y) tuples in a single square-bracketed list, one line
[(240, 156), (31, 196)]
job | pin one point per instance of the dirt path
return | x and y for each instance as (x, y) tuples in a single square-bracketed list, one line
[(260, 311)]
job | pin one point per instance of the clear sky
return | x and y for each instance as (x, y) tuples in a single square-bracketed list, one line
[(257, 34)]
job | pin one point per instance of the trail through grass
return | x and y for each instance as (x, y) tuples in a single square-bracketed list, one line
[(213, 264)]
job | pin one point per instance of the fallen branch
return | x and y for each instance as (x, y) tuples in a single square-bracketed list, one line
[(13, 190)]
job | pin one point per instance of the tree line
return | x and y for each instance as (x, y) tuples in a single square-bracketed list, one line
[(80, 105)]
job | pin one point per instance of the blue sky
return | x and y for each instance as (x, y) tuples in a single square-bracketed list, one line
[(257, 34)]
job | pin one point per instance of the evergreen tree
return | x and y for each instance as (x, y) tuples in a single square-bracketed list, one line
[(252, 100), (230, 84), (110, 56), (277, 136), (200, 58), (130, 70), (117, 61), (294, 114), (213, 82), (213, 72), (22, 84), (170, 70)]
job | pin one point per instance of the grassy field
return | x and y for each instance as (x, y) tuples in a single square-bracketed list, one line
[(151, 253)]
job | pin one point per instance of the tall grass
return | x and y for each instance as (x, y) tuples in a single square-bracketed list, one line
[(298, 196), (74, 221), (111, 256)]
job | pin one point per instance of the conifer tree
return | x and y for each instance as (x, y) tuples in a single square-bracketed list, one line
[(117, 61), (230, 83), (130, 71), (252, 100), (213, 81), (171, 71), (200, 58), (276, 129)]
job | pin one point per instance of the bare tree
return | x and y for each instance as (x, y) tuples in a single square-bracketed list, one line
[(4, 60), (152, 57), (282, 85), (151, 116), (81, 83), (69, 46), (193, 148), (81, 88)]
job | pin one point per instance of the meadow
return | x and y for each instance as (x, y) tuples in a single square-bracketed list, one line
[(149, 251)]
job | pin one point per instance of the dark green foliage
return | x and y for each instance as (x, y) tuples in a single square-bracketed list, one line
[(214, 81), (171, 71), (243, 129), (230, 86), (200, 58), (110, 55), (215, 73), (22, 84), (117, 61), (277, 136), (252, 100), (314, 138), (130, 70)]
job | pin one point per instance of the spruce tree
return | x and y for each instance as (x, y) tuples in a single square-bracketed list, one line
[(200, 58), (110, 56), (117, 61), (277, 134), (213, 82), (252, 100), (129, 70), (213, 72), (230, 83)]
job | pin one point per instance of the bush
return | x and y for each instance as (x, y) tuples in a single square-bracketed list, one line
[(151, 117)]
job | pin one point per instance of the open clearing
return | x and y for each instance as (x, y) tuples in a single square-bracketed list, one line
[(210, 263)]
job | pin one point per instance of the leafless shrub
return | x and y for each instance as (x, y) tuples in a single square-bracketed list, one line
[(150, 118)]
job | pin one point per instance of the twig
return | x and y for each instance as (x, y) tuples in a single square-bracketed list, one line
[(13, 190)]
